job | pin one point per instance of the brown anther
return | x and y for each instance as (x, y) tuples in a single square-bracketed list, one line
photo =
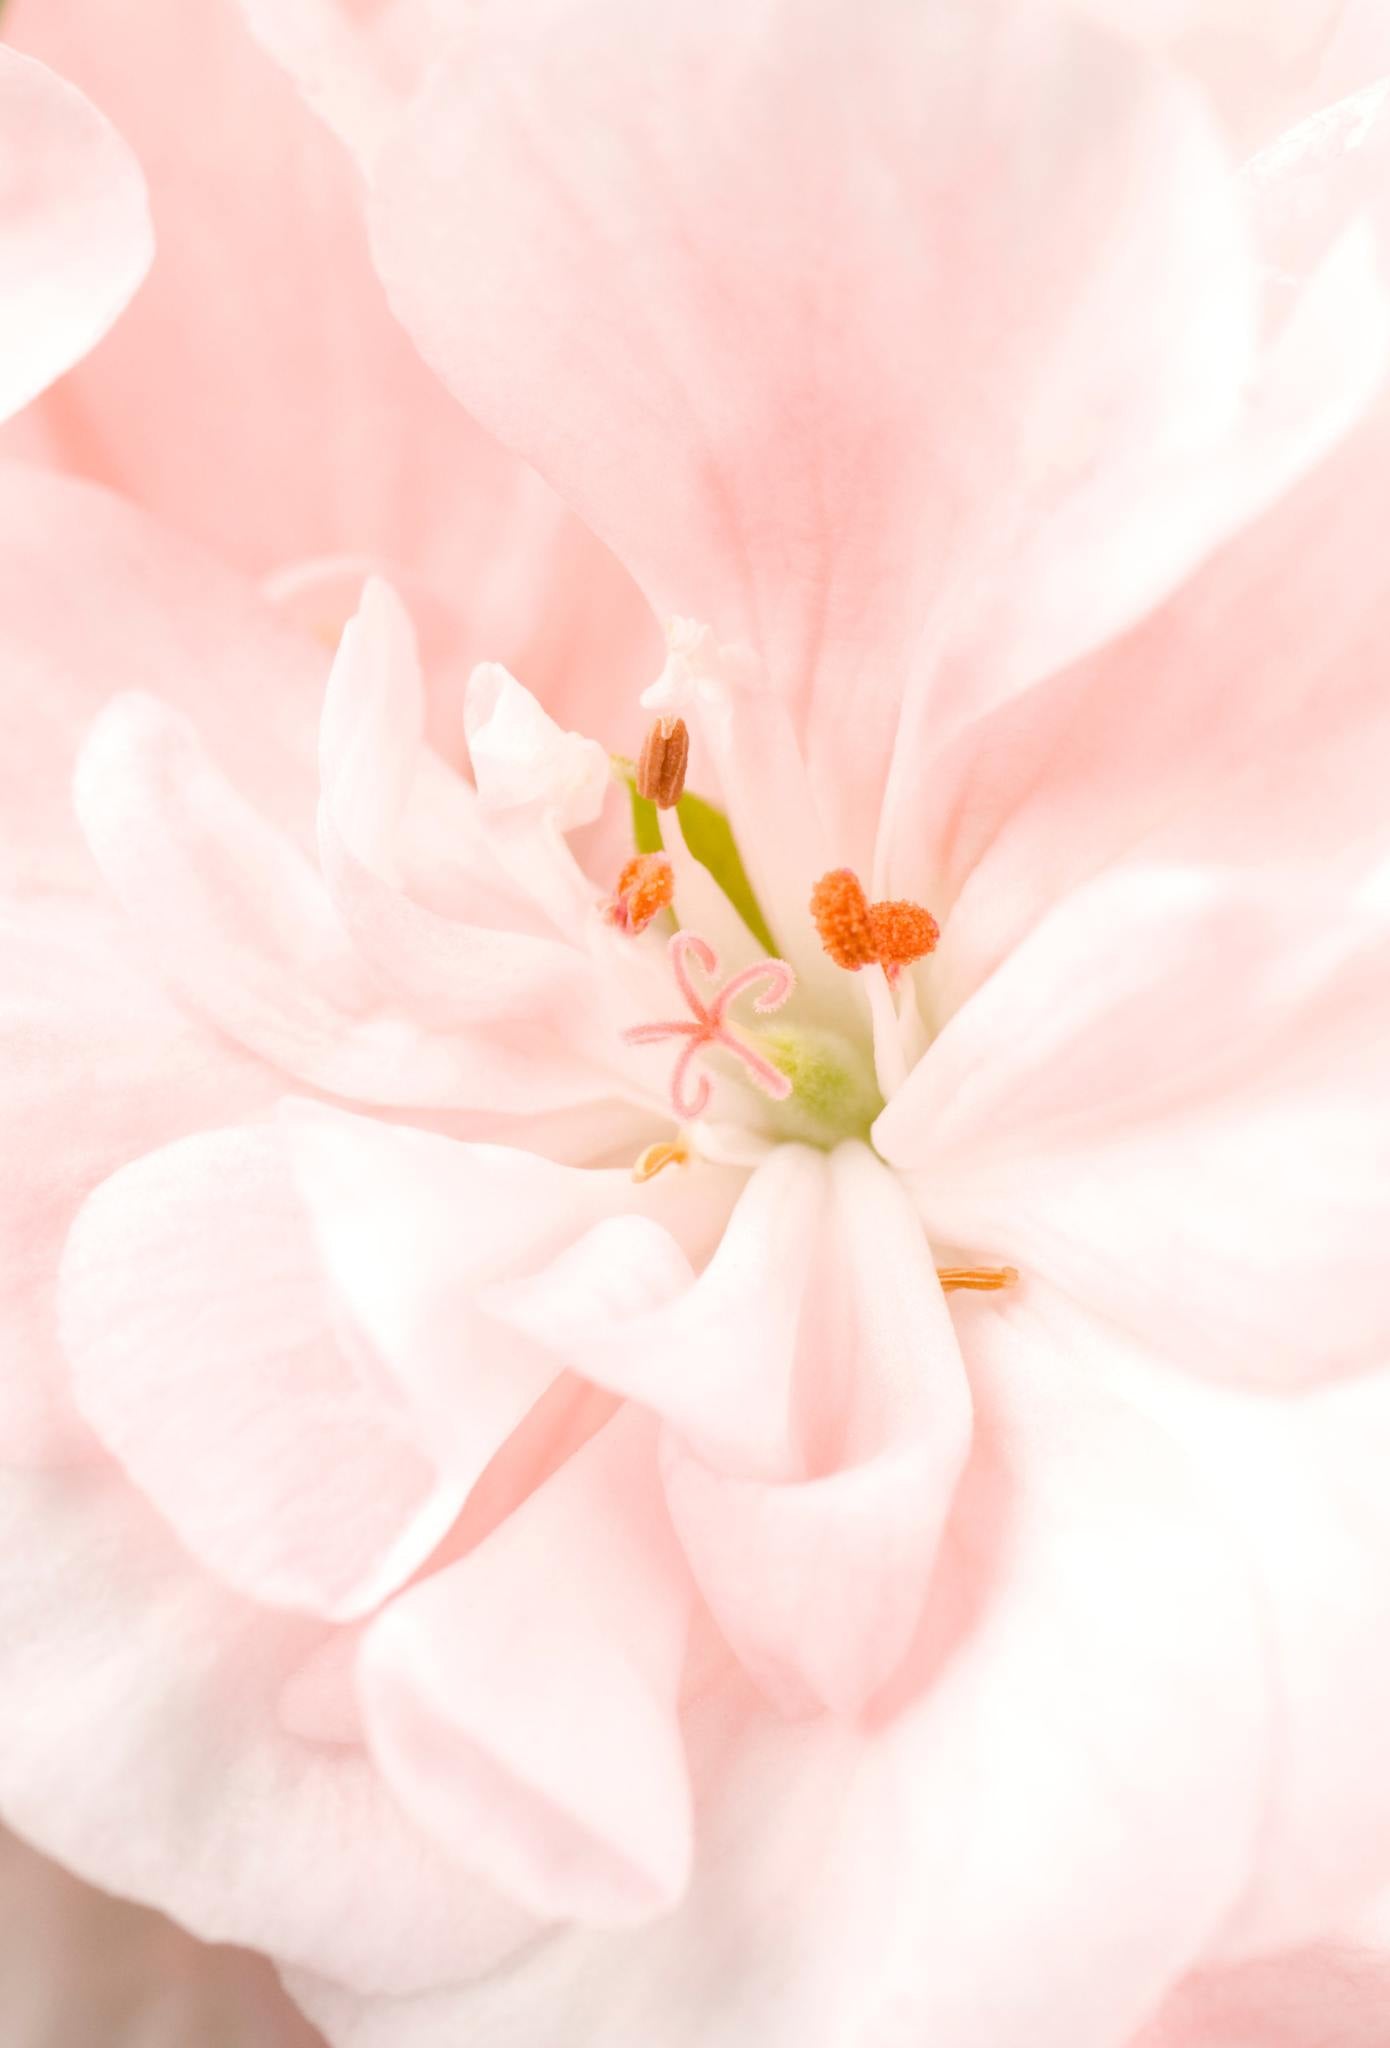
[(976, 1279), (649, 1163), (840, 912), (857, 933), (661, 763), (645, 888)]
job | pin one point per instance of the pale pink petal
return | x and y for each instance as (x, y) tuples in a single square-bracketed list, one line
[(1266, 63), (1246, 718), (1302, 1484), (1328, 1997), (96, 599), (1027, 1853), (342, 57), (521, 757), (142, 1745), (379, 782), (523, 1702), (318, 1701), (373, 726), (259, 397), (817, 1416), (1298, 1483), (74, 227), (78, 1966), (847, 359), (716, 1356), (356, 61), (1167, 1101), (212, 1359), (238, 921), (413, 1227), (819, 1582), (98, 1067), (536, 784)]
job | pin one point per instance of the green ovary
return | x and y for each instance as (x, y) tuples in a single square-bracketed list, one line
[(834, 1094)]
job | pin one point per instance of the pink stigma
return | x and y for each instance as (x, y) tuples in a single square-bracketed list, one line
[(706, 1024)]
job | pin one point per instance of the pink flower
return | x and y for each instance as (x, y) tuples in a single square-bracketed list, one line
[(525, 1538)]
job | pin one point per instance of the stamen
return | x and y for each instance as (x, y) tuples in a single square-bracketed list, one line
[(857, 933), (661, 763), (645, 888), (655, 1158), (976, 1279), (707, 1025), (903, 932), (840, 912)]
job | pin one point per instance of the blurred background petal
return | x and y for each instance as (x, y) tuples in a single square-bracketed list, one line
[(78, 1969)]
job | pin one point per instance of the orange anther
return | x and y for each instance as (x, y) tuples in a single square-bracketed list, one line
[(840, 911), (661, 763), (645, 888), (857, 933), (903, 932), (650, 1162), (977, 1279)]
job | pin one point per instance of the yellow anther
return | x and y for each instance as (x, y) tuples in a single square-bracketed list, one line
[(976, 1279), (649, 1163)]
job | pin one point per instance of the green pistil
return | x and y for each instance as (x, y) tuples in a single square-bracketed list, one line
[(834, 1091), (709, 836)]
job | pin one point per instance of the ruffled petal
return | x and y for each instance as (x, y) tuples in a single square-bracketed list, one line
[(1168, 1102), (99, 1065), (816, 1411), (378, 780), (413, 1229), (715, 1357), (523, 1702), (76, 1007), (995, 1862), (212, 1359), (75, 236), (872, 517), (142, 1745), (1243, 724), (96, 599), (241, 925), (819, 1584), (259, 397)]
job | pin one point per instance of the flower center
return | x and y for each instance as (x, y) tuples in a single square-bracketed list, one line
[(818, 1085), (708, 1024)]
